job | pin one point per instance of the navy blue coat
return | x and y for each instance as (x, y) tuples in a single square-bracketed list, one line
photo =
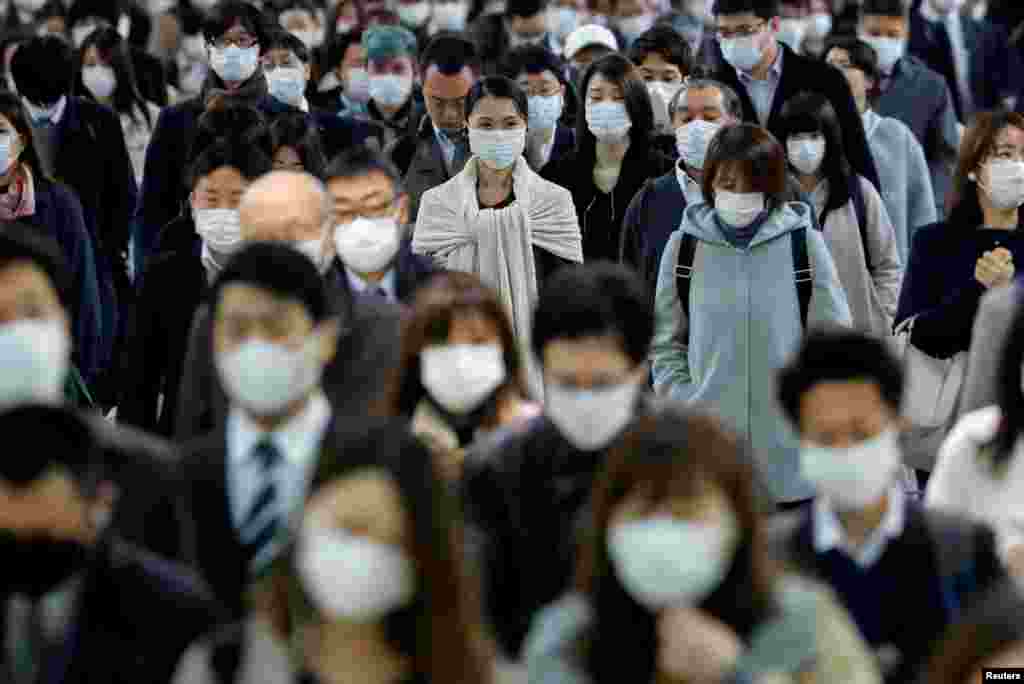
[(654, 214)]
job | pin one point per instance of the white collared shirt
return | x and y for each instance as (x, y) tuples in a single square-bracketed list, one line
[(762, 93), (298, 442), (960, 57), (829, 533), (389, 283)]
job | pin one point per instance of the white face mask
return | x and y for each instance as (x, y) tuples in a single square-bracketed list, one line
[(632, 28), (287, 84), (1005, 186), (742, 53), (791, 32), (591, 419), (820, 25), (390, 90), (544, 112), (414, 15), (497, 149), (806, 154), (693, 140), (234, 64), (889, 50), (608, 121), (367, 245), (738, 209), (8, 151), (353, 578), (358, 86), (460, 377), (265, 378), (661, 94), (100, 80), (219, 228), (666, 562), (450, 16), (854, 477), (563, 21), (34, 362)]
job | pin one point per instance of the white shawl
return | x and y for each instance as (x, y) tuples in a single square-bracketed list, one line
[(497, 244)]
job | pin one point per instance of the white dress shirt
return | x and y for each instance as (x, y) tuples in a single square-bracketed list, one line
[(298, 441), (961, 60), (829, 533), (389, 283), (762, 92)]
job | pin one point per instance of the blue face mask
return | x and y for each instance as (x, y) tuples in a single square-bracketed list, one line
[(287, 84)]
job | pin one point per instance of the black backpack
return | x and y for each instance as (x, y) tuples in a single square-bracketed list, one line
[(803, 274)]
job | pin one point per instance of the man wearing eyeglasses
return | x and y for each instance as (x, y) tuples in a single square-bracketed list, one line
[(765, 74)]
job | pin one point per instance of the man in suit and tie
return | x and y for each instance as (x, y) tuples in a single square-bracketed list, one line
[(371, 211), (273, 334)]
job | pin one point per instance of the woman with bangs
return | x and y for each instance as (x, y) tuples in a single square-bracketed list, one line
[(675, 582)]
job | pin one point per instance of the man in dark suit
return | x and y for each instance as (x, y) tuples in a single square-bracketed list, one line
[(295, 209), (523, 23), (273, 334), (765, 74), (370, 213), (80, 604)]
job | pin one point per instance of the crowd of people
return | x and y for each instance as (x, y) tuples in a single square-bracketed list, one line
[(511, 341)]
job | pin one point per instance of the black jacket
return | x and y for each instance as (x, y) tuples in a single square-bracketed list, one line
[(149, 76), (421, 160)]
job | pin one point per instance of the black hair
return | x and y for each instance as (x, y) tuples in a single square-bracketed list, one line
[(525, 8), (862, 56), (109, 11), (885, 8), (840, 356), (761, 157), (279, 39), (115, 50), (531, 59), (299, 132), (13, 109), (248, 160), (227, 14), (763, 9), (665, 41), (499, 87), (450, 54), (43, 69), (20, 242), (338, 45), (279, 269), (619, 70), (280, 8), (598, 299), (362, 160), (59, 438), (235, 121), (811, 112)]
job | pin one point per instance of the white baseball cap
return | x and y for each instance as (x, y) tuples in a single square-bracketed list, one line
[(588, 35)]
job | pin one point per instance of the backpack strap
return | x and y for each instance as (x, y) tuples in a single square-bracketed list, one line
[(802, 272), (684, 271), (861, 210)]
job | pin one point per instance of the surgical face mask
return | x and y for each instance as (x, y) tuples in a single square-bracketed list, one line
[(460, 377), (632, 28), (563, 21), (665, 562), (1005, 186), (9, 151), (194, 47), (44, 116), (608, 121), (738, 209), (889, 50), (853, 477), (219, 228), (693, 140), (287, 84), (820, 25), (353, 578), (591, 419), (661, 94), (390, 90), (792, 31), (357, 86), (497, 149), (450, 16), (34, 362), (806, 154), (545, 111), (311, 38), (233, 63), (100, 80), (743, 52), (367, 245), (414, 15), (516, 40), (330, 81), (265, 378)]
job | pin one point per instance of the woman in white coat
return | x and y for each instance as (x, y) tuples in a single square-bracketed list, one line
[(497, 218)]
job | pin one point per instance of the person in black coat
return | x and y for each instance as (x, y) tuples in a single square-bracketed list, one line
[(616, 107), (61, 553)]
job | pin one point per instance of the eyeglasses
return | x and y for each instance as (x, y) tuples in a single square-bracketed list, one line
[(543, 90), (350, 215), (739, 31), (245, 42)]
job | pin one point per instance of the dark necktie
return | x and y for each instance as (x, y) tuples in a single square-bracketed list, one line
[(260, 526)]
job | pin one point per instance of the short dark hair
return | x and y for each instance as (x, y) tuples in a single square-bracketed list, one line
[(363, 160), (283, 40), (499, 87), (249, 161), (227, 14), (593, 300), (43, 69), (620, 71), (531, 59), (279, 269), (107, 10), (299, 132), (237, 122), (13, 109), (885, 8), (20, 242), (665, 41), (59, 437), (338, 45), (862, 56), (525, 8), (450, 54), (811, 112), (760, 154), (731, 103), (763, 9), (839, 356)]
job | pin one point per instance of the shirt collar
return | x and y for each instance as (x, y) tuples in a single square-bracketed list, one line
[(829, 533), (774, 72), (359, 284), (297, 439)]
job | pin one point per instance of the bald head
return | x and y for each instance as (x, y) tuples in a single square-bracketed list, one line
[(284, 206)]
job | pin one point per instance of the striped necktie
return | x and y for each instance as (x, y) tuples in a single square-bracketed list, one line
[(262, 523)]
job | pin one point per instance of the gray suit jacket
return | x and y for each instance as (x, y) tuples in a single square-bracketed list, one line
[(992, 326)]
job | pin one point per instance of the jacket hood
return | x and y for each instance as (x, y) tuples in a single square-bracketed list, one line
[(699, 221)]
